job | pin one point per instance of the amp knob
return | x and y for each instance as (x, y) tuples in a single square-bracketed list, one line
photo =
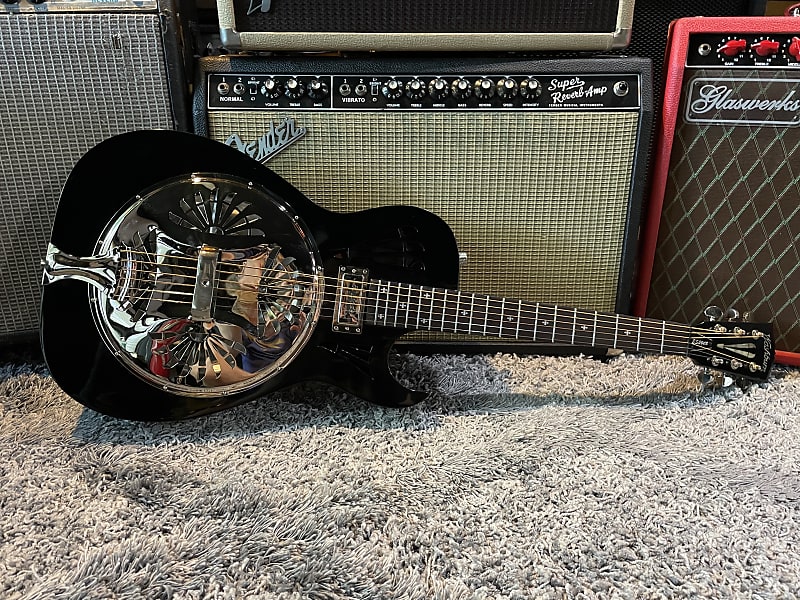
[(392, 89), (483, 88), (794, 48), (461, 89), (733, 48), (530, 89), (507, 88), (438, 89), (766, 47), (317, 89), (415, 89), (294, 89), (271, 88)]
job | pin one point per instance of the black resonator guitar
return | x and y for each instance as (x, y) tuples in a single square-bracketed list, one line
[(212, 281)]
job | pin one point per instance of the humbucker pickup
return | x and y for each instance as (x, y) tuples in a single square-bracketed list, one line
[(348, 315)]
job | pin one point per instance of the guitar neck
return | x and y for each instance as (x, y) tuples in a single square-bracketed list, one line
[(409, 306)]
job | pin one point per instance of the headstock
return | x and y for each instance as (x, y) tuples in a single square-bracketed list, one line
[(739, 348)]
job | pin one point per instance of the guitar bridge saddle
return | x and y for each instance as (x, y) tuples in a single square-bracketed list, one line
[(348, 313)]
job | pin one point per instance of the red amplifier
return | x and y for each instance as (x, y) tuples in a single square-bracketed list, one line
[(723, 223)]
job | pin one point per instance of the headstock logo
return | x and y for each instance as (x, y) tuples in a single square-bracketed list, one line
[(275, 139)]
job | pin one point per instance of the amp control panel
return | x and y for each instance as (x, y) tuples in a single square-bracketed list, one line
[(512, 91), (744, 50)]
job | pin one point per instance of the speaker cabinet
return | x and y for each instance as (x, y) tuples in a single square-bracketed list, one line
[(422, 25), (74, 73), (724, 221), (537, 166)]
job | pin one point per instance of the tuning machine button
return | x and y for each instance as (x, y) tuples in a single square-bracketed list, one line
[(415, 89), (483, 88), (713, 313), (461, 89), (392, 89)]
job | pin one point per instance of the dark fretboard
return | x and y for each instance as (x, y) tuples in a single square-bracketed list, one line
[(411, 306)]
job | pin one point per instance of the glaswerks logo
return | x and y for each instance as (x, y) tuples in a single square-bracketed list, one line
[(744, 101)]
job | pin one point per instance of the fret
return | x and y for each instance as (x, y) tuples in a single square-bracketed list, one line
[(555, 318), (458, 307), (486, 319), (408, 305), (419, 305), (494, 321), (616, 331), (536, 323), (574, 324), (471, 313), (639, 335), (594, 330), (397, 305), (582, 328), (479, 317), (519, 319), (502, 317), (380, 315), (430, 312), (663, 335)]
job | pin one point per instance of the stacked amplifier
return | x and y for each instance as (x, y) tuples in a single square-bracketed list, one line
[(74, 72), (538, 166)]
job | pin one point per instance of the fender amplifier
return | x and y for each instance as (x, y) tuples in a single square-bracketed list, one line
[(74, 73), (414, 25), (724, 218), (537, 166)]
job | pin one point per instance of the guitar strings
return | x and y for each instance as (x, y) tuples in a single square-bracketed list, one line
[(642, 326)]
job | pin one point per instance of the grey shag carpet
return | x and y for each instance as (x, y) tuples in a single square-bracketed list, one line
[(522, 477)]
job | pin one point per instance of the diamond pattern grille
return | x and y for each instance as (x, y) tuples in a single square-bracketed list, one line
[(730, 226)]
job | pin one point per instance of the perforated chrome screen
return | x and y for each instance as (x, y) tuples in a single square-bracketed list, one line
[(68, 82), (537, 200)]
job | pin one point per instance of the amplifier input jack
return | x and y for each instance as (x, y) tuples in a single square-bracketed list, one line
[(238, 89), (345, 89), (223, 89), (361, 90)]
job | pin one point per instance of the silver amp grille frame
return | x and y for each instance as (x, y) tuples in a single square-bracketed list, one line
[(68, 81)]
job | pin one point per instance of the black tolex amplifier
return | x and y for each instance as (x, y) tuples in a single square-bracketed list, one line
[(537, 166)]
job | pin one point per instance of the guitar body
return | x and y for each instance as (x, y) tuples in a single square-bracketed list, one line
[(118, 187)]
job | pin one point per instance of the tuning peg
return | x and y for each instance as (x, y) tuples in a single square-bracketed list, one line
[(731, 314), (714, 380), (714, 313)]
